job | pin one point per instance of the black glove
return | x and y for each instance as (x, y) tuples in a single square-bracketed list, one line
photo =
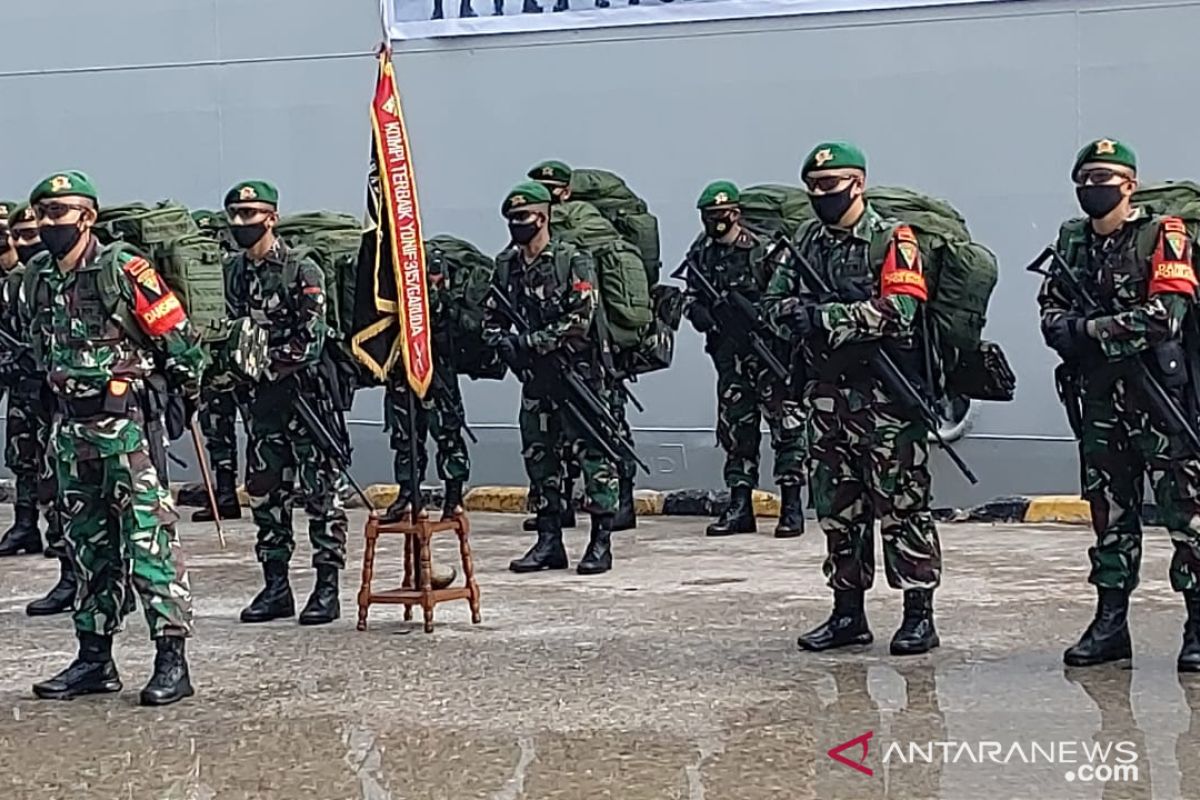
[(802, 319), (701, 318), (1066, 335), (180, 412), (513, 351)]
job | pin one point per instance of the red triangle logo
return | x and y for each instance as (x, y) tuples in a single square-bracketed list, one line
[(858, 741)]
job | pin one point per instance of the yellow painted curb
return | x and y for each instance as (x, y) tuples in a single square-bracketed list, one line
[(648, 503), (503, 499), (766, 504), (1058, 508)]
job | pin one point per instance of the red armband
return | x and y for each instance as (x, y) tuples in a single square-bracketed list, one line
[(156, 307), (1171, 268), (902, 273)]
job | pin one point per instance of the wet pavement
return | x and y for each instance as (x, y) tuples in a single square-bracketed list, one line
[(674, 676)]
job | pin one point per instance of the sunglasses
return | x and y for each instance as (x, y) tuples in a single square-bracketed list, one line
[(1099, 176), (56, 210), (26, 234), (244, 212), (826, 184)]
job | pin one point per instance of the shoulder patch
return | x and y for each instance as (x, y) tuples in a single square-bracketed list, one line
[(1172, 271)]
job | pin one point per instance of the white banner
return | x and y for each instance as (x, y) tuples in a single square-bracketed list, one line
[(424, 19)]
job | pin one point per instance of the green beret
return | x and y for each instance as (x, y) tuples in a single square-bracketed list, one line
[(525, 194), (834, 155), (1107, 151), (252, 192), (550, 172), (22, 212), (719, 194), (71, 183)]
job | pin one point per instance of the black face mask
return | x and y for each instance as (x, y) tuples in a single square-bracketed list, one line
[(830, 208), (716, 227), (1098, 201), (59, 239), (523, 232), (26, 252), (248, 235)]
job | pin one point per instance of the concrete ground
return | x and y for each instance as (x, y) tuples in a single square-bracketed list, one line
[(674, 676)]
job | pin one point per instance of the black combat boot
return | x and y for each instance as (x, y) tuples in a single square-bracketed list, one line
[(626, 517), (452, 502), (322, 606), (1189, 656), (170, 682), (738, 516), (228, 505), (846, 626), (401, 508), (791, 512), (566, 515), (497, 8), (437, 10), (598, 557), (562, 5), (465, 11), (1107, 638), (917, 633), (275, 600), (61, 598), (23, 536), (530, 7), (92, 672), (548, 551)]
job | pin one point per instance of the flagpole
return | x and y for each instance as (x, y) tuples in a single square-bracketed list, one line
[(414, 467)]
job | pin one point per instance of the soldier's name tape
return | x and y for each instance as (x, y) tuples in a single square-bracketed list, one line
[(1045, 509)]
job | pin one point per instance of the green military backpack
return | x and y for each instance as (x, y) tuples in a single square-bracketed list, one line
[(627, 212), (775, 208), (189, 261), (468, 276), (624, 290), (332, 240)]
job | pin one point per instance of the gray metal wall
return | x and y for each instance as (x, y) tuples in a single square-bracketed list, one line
[(983, 105)]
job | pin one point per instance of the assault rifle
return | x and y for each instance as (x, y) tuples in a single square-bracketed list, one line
[(327, 422), (580, 401), (1163, 407), (735, 315), (894, 381)]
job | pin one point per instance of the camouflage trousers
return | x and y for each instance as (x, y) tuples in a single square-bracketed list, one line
[(1120, 448), (282, 457), (550, 442), (627, 468), (218, 417), (870, 463), (120, 527), (25, 453), (747, 393), (439, 414)]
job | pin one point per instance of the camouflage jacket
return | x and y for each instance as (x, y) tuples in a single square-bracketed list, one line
[(285, 295), (110, 326), (557, 296), (740, 266), (1143, 272), (870, 302), (16, 362)]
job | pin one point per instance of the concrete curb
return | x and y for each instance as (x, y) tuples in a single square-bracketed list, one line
[(1038, 509)]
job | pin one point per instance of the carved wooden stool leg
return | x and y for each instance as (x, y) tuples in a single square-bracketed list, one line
[(426, 578), (368, 573), (409, 547), (468, 565)]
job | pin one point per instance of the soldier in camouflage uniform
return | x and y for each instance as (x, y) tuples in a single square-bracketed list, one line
[(439, 413), (1139, 265), (29, 455), (112, 322), (285, 294), (219, 406), (870, 458), (735, 259), (553, 285)]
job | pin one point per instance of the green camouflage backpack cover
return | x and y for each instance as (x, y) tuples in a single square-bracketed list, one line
[(775, 208), (627, 212), (189, 261), (466, 274), (332, 240)]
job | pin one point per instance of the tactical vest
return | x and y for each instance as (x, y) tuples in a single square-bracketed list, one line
[(729, 268), (1128, 267)]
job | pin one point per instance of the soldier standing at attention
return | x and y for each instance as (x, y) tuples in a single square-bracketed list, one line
[(734, 259), (219, 405), (1139, 265), (552, 284), (112, 322), (870, 458), (285, 293)]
